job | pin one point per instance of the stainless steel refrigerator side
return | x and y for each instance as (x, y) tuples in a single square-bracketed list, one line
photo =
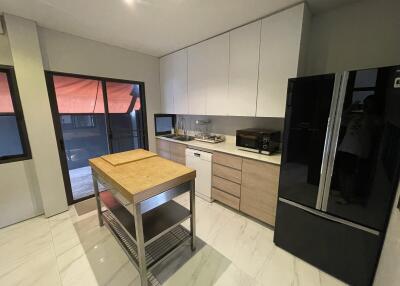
[(328, 139), (334, 141)]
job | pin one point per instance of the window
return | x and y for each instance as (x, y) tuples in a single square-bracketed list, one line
[(14, 144)]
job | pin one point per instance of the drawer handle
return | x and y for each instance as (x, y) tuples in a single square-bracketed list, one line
[(197, 154)]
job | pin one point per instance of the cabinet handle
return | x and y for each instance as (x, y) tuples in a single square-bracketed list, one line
[(197, 154)]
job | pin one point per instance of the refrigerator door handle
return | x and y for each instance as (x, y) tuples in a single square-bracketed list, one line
[(335, 135), (328, 139)]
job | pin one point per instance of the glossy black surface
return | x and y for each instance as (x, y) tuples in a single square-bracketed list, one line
[(307, 112), (367, 160), (347, 253)]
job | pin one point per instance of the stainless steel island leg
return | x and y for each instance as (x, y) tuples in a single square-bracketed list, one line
[(97, 195), (193, 214), (140, 244)]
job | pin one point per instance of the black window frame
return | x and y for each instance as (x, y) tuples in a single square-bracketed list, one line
[(19, 115)]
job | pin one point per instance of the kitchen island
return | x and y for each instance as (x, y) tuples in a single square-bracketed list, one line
[(139, 207)]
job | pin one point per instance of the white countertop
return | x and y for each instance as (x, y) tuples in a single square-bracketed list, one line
[(228, 147)]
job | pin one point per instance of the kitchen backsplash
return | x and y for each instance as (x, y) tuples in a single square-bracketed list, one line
[(229, 124)]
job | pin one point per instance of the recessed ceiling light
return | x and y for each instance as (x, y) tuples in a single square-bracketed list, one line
[(129, 2)]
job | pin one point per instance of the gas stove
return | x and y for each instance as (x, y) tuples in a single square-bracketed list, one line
[(210, 138)]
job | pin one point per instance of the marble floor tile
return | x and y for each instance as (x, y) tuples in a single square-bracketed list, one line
[(234, 276), (69, 249), (204, 268)]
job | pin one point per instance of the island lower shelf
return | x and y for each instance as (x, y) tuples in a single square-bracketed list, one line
[(162, 229)]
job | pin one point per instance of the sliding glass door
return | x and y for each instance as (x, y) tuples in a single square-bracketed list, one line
[(125, 116), (93, 117)]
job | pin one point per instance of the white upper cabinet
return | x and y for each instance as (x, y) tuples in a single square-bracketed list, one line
[(243, 70), (173, 78), (166, 83), (208, 72), (281, 36), (242, 73)]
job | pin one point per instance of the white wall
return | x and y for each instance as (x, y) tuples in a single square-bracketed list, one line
[(360, 35), (20, 197), (5, 52), (67, 53), (29, 73)]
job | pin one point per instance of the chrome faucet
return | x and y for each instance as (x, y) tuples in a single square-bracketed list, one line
[(182, 125)]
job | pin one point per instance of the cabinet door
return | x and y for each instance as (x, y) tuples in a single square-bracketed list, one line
[(177, 152), (163, 148), (179, 73), (173, 81), (243, 69), (208, 72), (259, 190), (166, 85), (279, 57)]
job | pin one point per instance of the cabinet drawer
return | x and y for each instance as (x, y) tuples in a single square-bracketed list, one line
[(227, 160), (225, 198), (226, 186), (227, 173)]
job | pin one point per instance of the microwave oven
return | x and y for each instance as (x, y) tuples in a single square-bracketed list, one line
[(258, 140)]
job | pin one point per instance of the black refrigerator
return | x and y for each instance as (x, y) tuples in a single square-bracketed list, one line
[(340, 170)]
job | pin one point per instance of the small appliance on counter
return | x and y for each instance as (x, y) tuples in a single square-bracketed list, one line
[(258, 140), (210, 138)]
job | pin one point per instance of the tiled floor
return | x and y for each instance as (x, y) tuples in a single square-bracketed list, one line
[(73, 250)]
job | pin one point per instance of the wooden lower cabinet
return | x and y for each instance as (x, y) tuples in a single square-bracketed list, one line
[(259, 190), (243, 184), (225, 198), (163, 148), (171, 151), (177, 152)]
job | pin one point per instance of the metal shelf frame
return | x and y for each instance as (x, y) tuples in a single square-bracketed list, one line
[(148, 231)]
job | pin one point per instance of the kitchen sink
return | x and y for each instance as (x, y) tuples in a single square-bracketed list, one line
[(169, 135), (179, 137), (183, 138)]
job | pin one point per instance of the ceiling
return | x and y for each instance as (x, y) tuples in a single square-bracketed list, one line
[(154, 27)]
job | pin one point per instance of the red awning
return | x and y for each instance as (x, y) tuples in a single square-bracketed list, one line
[(119, 97), (76, 95), (6, 105)]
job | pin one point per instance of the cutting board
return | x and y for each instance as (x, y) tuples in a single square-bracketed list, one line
[(128, 156)]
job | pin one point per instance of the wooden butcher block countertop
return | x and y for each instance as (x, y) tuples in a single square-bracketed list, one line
[(140, 174)]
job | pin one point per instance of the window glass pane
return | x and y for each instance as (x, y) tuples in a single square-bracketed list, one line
[(10, 142), (124, 106), (83, 125)]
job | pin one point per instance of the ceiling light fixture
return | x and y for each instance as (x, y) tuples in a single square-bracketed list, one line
[(130, 2)]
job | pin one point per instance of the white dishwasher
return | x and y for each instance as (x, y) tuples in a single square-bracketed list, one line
[(201, 162)]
